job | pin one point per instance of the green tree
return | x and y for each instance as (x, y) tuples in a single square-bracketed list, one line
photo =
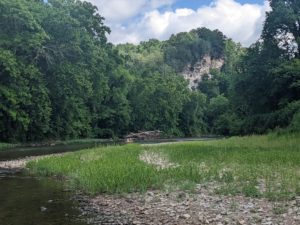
[(157, 101), (25, 107), (217, 115), (192, 117), (281, 28)]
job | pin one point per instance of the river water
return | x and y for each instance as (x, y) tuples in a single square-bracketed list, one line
[(25, 200), (28, 200)]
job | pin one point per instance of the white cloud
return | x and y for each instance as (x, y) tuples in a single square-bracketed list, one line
[(137, 20), (118, 11)]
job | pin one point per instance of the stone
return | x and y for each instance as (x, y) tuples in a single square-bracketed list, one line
[(186, 216), (43, 209), (219, 217), (194, 73), (297, 199), (241, 222)]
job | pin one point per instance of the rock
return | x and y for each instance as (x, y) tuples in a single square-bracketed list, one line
[(150, 193), (180, 207), (297, 218), (267, 223), (297, 200), (241, 222), (219, 217), (224, 213), (186, 216), (43, 209), (227, 221), (201, 218), (194, 73)]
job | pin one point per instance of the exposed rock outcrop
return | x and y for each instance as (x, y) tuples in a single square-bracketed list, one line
[(194, 73)]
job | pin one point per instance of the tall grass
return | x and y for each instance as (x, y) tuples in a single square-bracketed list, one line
[(255, 166), (4, 146)]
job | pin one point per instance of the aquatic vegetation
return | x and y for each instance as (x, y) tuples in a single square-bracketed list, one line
[(256, 166)]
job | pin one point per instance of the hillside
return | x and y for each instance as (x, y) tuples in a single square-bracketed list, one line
[(62, 79), (191, 54)]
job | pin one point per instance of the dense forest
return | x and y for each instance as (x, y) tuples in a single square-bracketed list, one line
[(61, 78)]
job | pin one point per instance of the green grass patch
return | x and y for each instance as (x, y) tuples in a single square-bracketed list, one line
[(5, 146), (255, 166)]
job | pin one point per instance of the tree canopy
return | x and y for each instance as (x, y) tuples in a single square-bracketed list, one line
[(61, 78)]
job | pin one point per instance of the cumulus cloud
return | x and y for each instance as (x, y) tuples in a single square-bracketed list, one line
[(118, 11), (143, 19)]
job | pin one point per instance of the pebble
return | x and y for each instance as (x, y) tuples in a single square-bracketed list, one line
[(177, 208), (186, 216), (241, 222), (43, 209), (297, 201)]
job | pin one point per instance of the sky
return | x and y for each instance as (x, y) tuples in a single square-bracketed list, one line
[(132, 21)]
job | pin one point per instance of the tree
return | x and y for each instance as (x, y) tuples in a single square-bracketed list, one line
[(192, 117), (24, 105), (265, 87), (281, 29), (286, 82), (209, 86), (157, 101)]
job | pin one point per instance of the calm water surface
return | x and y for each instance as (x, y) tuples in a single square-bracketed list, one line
[(26, 200)]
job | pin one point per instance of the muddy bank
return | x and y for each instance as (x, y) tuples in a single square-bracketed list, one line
[(180, 208)]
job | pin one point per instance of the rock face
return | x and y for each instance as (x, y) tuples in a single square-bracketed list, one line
[(194, 73)]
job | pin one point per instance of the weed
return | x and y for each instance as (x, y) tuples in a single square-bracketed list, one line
[(255, 166)]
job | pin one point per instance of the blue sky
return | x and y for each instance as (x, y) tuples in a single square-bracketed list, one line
[(139, 20), (194, 4)]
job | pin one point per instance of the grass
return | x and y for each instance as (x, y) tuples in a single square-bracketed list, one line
[(255, 166), (5, 146)]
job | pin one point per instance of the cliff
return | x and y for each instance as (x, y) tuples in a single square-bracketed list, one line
[(194, 73)]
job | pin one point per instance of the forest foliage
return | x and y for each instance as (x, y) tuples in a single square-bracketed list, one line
[(61, 78)]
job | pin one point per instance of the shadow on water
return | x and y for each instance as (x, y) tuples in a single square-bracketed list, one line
[(33, 201), (21, 152)]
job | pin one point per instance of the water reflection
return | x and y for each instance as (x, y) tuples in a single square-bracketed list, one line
[(30, 201)]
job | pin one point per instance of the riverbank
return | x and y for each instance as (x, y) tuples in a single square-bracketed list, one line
[(20, 164), (249, 180), (177, 207), (51, 143)]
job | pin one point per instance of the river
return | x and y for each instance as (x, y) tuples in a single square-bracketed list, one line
[(28, 200)]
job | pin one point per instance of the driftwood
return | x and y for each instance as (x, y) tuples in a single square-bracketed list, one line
[(143, 135)]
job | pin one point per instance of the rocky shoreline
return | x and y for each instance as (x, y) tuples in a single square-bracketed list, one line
[(180, 207), (177, 207)]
